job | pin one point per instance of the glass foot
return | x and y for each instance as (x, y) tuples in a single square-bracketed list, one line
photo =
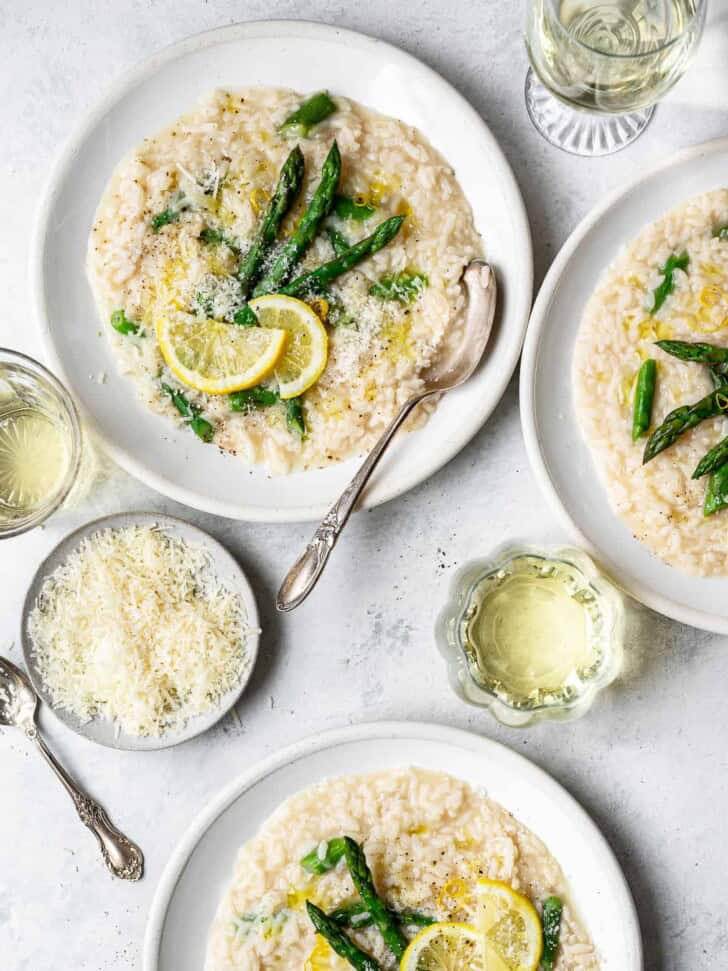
[(581, 132)]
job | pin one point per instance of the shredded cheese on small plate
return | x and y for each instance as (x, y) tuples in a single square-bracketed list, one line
[(135, 627)]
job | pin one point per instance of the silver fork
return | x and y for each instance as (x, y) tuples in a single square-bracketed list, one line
[(18, 709)]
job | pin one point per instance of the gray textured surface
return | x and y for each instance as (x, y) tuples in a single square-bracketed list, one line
[(648, 762)]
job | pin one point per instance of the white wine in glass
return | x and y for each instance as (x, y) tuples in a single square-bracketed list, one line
[(599, 66)]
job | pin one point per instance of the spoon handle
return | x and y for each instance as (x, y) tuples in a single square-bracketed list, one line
[(121, 856), (303, 575)]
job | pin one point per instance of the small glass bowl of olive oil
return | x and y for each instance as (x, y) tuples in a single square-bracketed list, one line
[(40, 443), (532, 634)]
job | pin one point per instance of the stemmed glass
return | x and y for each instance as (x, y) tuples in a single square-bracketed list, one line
[(599, 66)]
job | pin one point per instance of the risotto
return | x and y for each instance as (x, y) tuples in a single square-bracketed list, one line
[(428, 839), (179, 215), (660, 501)]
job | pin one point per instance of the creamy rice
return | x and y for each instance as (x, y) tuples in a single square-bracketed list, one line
[(428, 838), (229, 141), (659, 501)]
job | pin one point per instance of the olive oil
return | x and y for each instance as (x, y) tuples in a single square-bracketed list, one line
[(34, 460), (532, 632)]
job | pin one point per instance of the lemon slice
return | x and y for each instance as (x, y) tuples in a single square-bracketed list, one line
[(510, 926), (323, 958), (217, 358), (306, 350), (447, 946)]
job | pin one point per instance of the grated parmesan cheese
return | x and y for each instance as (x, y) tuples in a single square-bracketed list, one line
[(135, 627)]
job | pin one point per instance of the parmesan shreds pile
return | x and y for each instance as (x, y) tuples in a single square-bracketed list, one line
[(136, 628)]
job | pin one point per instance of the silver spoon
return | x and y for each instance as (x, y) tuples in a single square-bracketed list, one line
[(441, 376), (18, 708)]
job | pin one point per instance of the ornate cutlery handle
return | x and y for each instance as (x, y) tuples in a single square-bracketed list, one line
[(121, 856), (303, 575)]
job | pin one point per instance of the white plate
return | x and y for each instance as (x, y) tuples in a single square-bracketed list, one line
[(201, 866), (558, 454), (228, 570), (305, 57)]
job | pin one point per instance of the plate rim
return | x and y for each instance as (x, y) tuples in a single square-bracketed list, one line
[(368, 731), (537, 323), (137, 74), (204, 722)]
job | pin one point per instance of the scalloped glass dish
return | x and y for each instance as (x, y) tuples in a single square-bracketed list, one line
[(531, 634)]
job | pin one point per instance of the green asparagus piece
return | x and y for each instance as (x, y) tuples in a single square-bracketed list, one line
[(312, 862), (684, 418), (191, 413), (712, 460), (327, 272), (163, 218), (716, 495), (357, 916), (551, 921), (347, 208), (404, 287), (673, 262), (245, 317), (695, 351), (294, 417), (644, 395), (252, 398), (216, 237), (303, 235), (338, 241), (289, 185), (309, 114), (338, 940), (120, 322), (721, 232), (361, 876)]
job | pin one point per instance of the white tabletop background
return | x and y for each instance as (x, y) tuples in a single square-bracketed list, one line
[(648, 762)]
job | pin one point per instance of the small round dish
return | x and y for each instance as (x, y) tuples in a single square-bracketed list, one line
[(306, 57), (607, 624), (226, 568)]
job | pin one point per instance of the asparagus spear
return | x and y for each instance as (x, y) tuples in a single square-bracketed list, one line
[(163, 218), (676, 261), (383, 234), (289, 185), (695, 351), (304, 233), (312, 862), (712, 460), (191, 413), (338, 940), (682, 419), (716, 495), (357, 916), (121, 323), (216, 237), (308, 114), (252, 398), (361, 876), (347, 208), (403, 287), (294, 417), (551, 921), (338, 241), (644, 395)]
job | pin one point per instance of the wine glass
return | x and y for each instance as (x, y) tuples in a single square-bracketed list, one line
[(599, 66)]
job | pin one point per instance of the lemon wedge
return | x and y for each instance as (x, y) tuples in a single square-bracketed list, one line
[(214, 357), (322, 957), (510, 926), (306, 350), (448, 946)]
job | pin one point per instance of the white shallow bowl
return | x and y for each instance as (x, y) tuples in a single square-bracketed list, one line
[(201, 866), (558, 454), (306, 57), (228, 570)]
